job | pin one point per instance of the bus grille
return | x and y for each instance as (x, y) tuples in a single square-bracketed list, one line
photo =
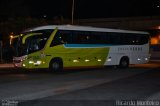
[(16, 61)]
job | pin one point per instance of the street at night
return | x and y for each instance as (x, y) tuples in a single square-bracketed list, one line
[(101, 86), (80, 53)]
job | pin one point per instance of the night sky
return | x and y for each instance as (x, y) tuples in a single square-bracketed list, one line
[(83, 8)]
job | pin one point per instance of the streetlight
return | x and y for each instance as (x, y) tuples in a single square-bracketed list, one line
[(72, 12)]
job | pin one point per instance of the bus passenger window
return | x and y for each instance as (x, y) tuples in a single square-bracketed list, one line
[(62, 37), (56, 40)]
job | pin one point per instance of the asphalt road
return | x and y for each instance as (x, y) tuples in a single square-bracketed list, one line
[(108, 86)]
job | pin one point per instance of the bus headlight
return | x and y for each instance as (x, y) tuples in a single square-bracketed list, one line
[(31, 62), (38, 62)]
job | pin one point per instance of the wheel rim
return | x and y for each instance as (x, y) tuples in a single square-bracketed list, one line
[(124, 63), (55, 66)]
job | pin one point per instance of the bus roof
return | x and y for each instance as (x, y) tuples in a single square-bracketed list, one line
[(83, 28)]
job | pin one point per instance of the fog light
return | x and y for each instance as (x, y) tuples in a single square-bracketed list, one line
[(87, 60), (23, 65), (99, 60), (109, 60), (75, 61), (146, 59), (138, 59)]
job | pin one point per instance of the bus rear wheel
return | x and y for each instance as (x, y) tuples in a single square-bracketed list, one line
[(56, 65), (124, 62)]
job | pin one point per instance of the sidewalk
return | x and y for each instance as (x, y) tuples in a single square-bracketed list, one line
[(9, 65)]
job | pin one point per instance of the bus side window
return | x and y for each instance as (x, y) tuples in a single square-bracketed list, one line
[(81, 37), (62, 37), (56, 40), (66, 37)]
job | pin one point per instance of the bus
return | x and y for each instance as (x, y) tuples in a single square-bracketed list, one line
[(59, 47)]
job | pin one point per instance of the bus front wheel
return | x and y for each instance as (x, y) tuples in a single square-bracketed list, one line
[(56, 65), (124, 62)]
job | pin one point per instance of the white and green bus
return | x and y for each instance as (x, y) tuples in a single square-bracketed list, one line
[(59, 47)]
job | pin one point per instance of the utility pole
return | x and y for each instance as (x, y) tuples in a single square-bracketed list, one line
[(72, 12)]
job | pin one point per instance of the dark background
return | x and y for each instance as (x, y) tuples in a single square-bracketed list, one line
[(83, 8), (18, 15)]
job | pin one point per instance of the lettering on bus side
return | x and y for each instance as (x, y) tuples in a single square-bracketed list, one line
[(130, 48)]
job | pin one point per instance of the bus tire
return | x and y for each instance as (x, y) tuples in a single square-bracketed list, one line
[(56, 65), (124, 62)]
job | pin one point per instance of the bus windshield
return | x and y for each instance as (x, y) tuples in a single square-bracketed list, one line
[(30, 42), (16, 45)]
